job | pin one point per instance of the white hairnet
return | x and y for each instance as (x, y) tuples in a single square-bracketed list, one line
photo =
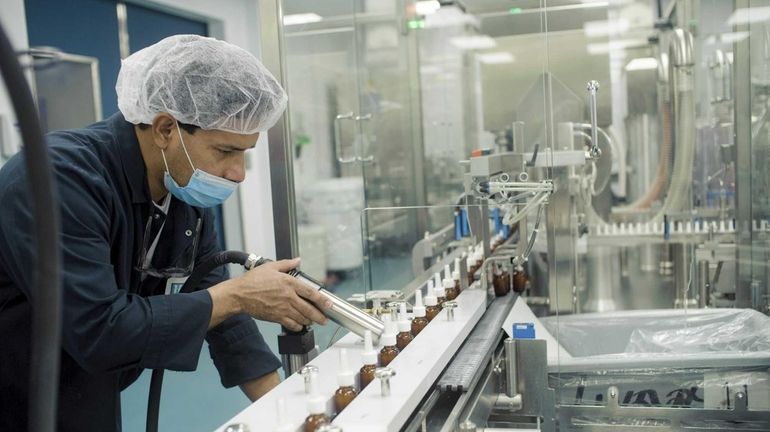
[(200, 81)]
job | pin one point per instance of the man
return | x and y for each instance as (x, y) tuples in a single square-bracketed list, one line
[(135, 192)]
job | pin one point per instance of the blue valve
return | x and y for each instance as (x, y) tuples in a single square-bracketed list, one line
[(523, 330)]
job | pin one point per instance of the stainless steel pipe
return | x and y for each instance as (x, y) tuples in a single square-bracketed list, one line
[(341, 312), (344, 313)]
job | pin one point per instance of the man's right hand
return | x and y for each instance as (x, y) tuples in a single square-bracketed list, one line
[(268, 293)]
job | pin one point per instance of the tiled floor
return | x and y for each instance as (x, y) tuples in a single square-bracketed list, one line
[(196, 401)]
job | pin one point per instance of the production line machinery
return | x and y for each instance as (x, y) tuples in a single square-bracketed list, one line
[(490, 363)]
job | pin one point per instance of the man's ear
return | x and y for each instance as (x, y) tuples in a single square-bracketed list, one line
[(163, 130)]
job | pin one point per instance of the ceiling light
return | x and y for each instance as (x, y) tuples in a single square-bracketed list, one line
[(606, 28), (303, 18), (426, 7), (500, 57), (644, 63), (473, 42), (749, 15)]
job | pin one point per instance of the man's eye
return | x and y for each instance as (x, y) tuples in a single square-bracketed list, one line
[(225, 151)]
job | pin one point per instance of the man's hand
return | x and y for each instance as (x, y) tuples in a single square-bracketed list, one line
[(268, 293)]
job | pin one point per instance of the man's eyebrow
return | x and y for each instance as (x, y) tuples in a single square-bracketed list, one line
[(235, 147)]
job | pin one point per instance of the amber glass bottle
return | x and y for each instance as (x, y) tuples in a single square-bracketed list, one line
[(344, 396), (369, 358), (419, 322), (501, 281), (317, 417), (432, 309), (520, 279), (346, 379), (389, 351)]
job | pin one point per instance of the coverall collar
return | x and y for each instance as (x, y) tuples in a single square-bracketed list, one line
[(131, 157)]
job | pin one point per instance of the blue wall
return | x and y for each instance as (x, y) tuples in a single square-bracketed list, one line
[(69, 26), (90, 27)]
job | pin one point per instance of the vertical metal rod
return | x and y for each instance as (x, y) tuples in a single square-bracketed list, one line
[(123, 43), (279, 136), (703, 284), (593, 88), (511, 383)]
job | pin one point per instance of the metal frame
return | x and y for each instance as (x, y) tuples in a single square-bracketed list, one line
[(743, 193), (279, 147), (678, 417)]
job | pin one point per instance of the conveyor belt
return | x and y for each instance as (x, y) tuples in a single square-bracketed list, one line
[(474, 353)]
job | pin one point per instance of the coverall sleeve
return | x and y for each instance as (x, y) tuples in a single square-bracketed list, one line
[(103, 328), (236, 346)]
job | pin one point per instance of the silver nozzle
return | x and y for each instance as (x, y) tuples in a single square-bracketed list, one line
[(384, 374), (450, 307), (307, 372)]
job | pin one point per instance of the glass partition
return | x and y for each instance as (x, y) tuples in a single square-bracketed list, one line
[(658, 214)]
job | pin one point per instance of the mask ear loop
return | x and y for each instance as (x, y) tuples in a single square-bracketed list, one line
[(179, 131)]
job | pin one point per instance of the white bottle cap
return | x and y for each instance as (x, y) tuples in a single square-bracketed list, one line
[(448, 283), (316, 404), (388, 339), (418, 309), (283, 423), (403, 321), (478, 256), (369, 356), (447, 271), (437, 281), (430, 299), (345, 377), (404, 327), (456, 273)]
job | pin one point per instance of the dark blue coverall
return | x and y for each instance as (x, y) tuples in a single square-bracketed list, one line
[(116, 321)]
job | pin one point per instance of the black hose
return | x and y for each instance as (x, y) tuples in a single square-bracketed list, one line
[(45, 297), (201, 270)]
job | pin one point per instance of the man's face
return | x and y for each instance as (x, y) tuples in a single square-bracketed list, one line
[(216, 152)]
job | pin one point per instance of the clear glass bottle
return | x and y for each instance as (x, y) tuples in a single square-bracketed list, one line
[(419, 322), (369, 357)]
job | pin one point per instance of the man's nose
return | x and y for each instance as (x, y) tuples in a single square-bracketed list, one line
[(237, 170)]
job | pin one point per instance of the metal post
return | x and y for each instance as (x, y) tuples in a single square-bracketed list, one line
[(743, 205), (511, 382), (279, 146), (703, 284)]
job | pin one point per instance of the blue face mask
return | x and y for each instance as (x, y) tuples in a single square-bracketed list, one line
[(203, 189)]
